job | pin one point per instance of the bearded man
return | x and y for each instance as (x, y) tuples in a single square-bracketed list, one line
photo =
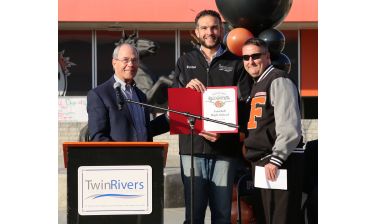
[(216, 156)]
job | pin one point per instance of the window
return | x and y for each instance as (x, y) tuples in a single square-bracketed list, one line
[(186, 41), (161, 63), (77, 46), (309, 107), (291, 50), (105, 41), (75, 77)]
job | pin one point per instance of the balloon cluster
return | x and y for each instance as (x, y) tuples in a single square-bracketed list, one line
[(256, 18)]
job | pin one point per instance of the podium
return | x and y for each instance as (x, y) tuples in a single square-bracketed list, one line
[(115, 182)]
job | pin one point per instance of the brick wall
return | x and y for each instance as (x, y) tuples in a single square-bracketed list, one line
[(68, 132), (310, 129)]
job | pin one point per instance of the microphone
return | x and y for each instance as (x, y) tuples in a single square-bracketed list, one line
[(119, 96)]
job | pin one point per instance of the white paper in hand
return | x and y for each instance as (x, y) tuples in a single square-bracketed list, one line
[(261, 181)]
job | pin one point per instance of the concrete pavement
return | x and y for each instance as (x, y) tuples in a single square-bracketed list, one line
[(171, 216)]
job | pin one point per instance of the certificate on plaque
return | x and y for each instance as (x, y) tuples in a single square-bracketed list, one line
[(217, 103), (220, 103)]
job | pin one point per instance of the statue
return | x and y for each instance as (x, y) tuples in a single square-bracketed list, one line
[(64, 65)]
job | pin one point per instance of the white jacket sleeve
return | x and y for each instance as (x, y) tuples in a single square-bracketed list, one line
[(284, 99)]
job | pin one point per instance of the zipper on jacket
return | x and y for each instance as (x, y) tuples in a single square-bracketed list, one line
[(209, 65), (207, 71)]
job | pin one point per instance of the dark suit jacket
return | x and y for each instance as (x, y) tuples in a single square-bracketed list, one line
[(108, 123)]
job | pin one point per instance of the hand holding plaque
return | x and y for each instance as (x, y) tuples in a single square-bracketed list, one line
[(216, 103)]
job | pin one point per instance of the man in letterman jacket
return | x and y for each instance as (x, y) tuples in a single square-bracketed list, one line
[(274, 133)]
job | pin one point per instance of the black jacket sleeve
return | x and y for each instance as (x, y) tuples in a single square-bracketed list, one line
[(159, 125), (98, 125)]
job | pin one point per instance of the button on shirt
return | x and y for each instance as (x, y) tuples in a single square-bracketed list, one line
[(136, 111)]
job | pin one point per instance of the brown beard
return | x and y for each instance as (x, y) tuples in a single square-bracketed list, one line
[(217, 42)]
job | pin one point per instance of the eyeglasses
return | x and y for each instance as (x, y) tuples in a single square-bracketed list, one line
[(128, 60), (253, 56)]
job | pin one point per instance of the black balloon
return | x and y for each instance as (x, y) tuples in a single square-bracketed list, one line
[(254, 15), (274, 39), (282, 62)]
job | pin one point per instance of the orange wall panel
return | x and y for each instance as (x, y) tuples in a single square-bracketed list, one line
[(131, 11), (309, 62), (303, 11), (159, 10)]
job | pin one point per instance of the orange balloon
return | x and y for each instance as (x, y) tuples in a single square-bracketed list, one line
[(236, 38)]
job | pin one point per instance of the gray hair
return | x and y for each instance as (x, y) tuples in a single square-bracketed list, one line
[(117, 49)]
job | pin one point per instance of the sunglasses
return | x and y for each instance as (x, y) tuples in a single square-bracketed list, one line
[(253, 56)]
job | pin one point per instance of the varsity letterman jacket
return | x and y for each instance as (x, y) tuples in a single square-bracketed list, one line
[(224, 70), (274, 127)]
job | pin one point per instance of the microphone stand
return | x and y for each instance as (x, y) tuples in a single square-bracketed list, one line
[(187, 114), (191, 120)]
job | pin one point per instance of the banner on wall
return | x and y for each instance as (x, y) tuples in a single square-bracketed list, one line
[(72, 109)]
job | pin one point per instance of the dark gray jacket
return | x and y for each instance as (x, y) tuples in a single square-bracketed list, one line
[(224, 70)]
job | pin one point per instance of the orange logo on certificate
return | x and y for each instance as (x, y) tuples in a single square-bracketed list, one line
[(219, 103)]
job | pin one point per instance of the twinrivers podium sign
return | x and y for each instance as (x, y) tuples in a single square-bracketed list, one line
[(114, 190), (115, 182)]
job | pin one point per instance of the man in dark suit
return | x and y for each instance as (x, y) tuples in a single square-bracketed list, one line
[(109, 117)]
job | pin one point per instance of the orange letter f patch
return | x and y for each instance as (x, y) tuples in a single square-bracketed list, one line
[(255, 111)]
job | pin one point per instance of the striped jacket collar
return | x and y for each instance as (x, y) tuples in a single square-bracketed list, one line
[(265, 73)]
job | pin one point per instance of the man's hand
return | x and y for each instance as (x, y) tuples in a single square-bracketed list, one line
[(196, 85), (271, 171), (212, 137)]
